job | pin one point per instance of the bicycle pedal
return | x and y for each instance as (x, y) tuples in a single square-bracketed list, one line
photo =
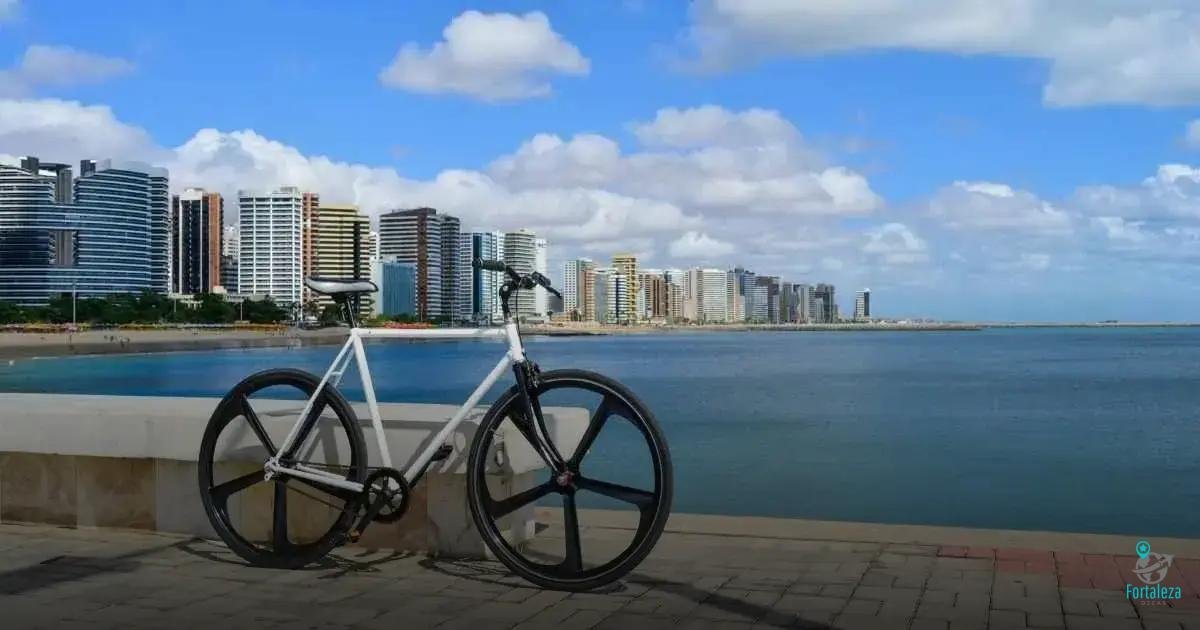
[(353, 535), (442, 453)]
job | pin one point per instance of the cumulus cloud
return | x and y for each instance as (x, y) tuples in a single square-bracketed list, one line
[(696, 245), (709, 158), (488, 56), (1110, 51), (894, 244), (983, 206), (59, 66)]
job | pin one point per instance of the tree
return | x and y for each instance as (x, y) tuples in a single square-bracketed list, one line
[(264, 311), (11, 313)]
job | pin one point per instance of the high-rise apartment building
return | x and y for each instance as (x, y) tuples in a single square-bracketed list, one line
[(521, 253), (103, 233), (485, 285), (611, 296), (656, 295), (714, 301), (196, 240), (230, 246), (340, 243), (456, 298), (734, 297), (577, 291), (309, 203), (862, 306), (270, 230), (824, 305), (415, 236), (627, 265)]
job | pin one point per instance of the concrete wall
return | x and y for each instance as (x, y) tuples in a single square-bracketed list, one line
[(130, 462)]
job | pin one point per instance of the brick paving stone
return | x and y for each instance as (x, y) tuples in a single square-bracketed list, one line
[(1045, 620), (1075, 622), (1006, 620)]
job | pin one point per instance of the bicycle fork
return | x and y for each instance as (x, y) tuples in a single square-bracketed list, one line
[(533, 424)]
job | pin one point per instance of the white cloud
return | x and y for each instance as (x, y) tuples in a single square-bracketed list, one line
[(1173, 192), (698, 246), (59, 66), (52, 128), (1105, 51), (987, 206), (1025, 262), (894, 244), (489, 56), (708, 158), (1191, 136), (8, 9)]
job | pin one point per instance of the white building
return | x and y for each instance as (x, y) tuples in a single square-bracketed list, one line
[(269, 228), (714, 307), (521, 253), (862, 305)]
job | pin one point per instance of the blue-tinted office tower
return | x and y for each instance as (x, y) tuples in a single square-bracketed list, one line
[(398, 286), (103, 233)]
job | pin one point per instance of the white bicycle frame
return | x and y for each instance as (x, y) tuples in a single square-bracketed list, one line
[(353, 349)]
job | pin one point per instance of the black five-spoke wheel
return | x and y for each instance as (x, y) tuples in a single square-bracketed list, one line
[(284, 522), (615, 459)]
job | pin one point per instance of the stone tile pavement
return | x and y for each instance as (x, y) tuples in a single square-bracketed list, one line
[(68, 578)]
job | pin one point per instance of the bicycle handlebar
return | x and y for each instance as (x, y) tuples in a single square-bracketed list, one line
[(524, 282)]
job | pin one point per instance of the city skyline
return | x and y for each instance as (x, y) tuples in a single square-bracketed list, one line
[(964, 177)]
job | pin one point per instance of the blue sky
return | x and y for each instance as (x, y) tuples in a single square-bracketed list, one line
[(958, 173)]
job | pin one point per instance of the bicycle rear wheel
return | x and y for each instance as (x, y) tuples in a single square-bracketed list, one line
[(285, 522), (617, 488)]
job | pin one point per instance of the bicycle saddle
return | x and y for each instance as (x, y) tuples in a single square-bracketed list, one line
[(333, 286)]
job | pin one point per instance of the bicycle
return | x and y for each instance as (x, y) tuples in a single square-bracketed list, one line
[(356, 494)]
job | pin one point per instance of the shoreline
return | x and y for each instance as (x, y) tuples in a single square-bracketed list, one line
[(29, 345)]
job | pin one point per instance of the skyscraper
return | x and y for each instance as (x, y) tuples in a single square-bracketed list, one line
[(309, 202), (862, 305), (270, 228), (485, 285), (734, 297), (627, 265), (657, 295), (714, 301), (575, 290), (100, 234), (196, 240), (230, 246), (341, 248), (521, 253), (456, 299), (824, 306), (415, 236)]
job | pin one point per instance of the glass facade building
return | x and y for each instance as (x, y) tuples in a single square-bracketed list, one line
[(110, 238)]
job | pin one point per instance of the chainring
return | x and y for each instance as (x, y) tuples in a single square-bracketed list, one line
[(397, 494)]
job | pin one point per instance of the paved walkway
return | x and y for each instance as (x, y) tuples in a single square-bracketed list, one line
[(62, 578)]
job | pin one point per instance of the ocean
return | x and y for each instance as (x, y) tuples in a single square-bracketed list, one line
[(1067, 429)]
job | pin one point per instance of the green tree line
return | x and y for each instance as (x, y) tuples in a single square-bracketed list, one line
[(146, 307)]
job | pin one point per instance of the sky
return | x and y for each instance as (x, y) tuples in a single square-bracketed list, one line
[(988, 160)]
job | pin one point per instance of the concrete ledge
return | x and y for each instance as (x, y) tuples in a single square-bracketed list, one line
[(763, 527), (130, 462)]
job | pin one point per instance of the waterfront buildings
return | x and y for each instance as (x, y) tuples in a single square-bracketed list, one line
[(340, 242), (270, 229), (415, 236), (230, 246), (397, 282), (103, 233), (823, 305), (578, 288), (862, 306), (521, 253), (485, 285), (655, 295), (627, 266), (197, 217)]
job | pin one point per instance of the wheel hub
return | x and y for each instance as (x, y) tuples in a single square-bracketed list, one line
[(565, 479)]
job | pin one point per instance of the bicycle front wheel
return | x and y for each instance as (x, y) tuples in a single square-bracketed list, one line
[(285, 522), (617, 486)]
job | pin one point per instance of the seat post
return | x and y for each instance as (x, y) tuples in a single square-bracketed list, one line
[(348, 305)]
